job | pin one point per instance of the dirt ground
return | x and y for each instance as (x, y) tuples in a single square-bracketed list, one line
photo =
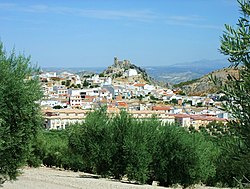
[(48, 178)]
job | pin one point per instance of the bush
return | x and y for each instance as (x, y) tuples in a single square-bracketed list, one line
[(229, 165), (19, 113), (182, 157), (143, 151), (56, 147), (91, 141), (38, 150), (235, 44)]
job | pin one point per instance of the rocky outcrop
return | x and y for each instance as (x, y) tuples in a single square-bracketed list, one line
[(121, 67), (205, 84)]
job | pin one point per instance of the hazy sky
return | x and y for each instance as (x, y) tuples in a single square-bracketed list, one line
[(84, 33)]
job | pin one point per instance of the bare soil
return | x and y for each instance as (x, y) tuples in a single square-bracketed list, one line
[(49, 178)]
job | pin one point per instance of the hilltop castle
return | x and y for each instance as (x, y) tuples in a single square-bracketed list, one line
[(121, 63)]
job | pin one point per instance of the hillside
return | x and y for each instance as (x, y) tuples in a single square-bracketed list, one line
[(123, 70), (163, 75), (204, 85)]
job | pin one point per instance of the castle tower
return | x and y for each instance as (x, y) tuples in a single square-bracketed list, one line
[(115, 60)]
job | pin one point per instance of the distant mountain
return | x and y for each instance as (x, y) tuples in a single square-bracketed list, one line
[(74, 69), (205, 85), (202, 66), (181, 72), (169, 74)]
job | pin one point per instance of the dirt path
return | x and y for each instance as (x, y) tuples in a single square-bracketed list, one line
[(46, 178)]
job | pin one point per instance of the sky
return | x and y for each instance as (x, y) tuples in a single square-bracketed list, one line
[(90, 33)]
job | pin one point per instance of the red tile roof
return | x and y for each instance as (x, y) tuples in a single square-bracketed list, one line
[(124, 104), (181, 115), (139, 85), (157, 108)]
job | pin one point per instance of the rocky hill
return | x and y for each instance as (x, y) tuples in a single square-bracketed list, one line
[(205, 85), (124, 70)]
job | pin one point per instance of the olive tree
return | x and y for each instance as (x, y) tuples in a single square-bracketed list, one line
[(235, 43), (19, 113)]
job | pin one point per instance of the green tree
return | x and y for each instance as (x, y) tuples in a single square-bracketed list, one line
[(142, 150), (139, 145), (199, 104), (174, 101), (235, 43), (223, 137), (182, 157), (78, 85), (153, 98), (101, 75), (92, 141), (63, 82), (85, 83), (114, 146), (57, 107), (121, 124), (19, 111), (68, 82), (56, 148)]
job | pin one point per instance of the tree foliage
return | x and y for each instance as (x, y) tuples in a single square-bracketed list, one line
[(120, 146), (19, 112), (235, 43), (56, 149), (183, 157), (141, 150), (92, 142)]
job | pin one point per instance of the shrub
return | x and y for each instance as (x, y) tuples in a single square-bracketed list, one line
[(182, 157), (19, 113), (143, 150)]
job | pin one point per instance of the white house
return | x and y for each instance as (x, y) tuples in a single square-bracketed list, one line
[(183, 120), (61, 90), (51, 103), (59, 119), (84, 92), (48, 74), (108, 81), (130, 72), (149, 87), (75, 101)]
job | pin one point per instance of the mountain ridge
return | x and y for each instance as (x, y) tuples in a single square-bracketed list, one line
[(166, 75), (205, 85), (181, 72)]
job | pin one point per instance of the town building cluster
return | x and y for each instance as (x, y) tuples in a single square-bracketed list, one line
[(68, 98)]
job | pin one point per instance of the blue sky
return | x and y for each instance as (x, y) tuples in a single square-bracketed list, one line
[(89, 33)]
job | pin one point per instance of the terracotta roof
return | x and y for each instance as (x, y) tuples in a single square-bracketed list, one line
[(139, 85), (124, 104), (207, 118), (104, 90), (65, 111), (90, 97), (87, 100), (181, 115), (112, 109), (157, 108)]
